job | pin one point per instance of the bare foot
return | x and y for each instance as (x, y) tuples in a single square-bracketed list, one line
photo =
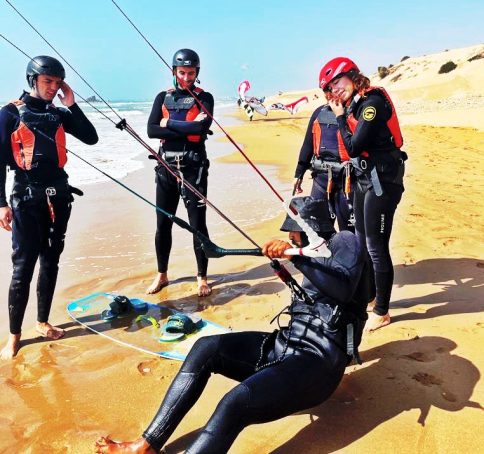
[(49, 331), (203, 287), (11, 348), (376, 321), (159, 282), (371, 305), (105, 444)]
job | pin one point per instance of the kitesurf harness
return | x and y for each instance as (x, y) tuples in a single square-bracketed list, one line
[(182, 108), (363, 162), (330, 155), (327, 141), (25, 139)]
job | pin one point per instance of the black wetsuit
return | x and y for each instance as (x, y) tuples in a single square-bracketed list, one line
[(374, 214), (340, 206), (34, 235), (280, 373), (194, 169)]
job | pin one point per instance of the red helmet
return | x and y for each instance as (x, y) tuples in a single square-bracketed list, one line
[(334, 68)]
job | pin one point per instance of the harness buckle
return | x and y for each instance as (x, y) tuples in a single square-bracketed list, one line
[(50, 191), (363, 164), (29, 195)]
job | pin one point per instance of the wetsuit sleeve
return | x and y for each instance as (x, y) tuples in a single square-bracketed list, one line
[(154, 130), (3, 179), (336, 276), (195, 127), (77, 124), (8, 121), (366, 129), (306, 152)]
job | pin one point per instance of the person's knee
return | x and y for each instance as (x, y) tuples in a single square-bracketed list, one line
[(203, 354), (379, 253), (23, 271), (232, 408)]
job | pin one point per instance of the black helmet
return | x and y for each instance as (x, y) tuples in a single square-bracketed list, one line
[(186, 57), (314, 211), (45, 65)]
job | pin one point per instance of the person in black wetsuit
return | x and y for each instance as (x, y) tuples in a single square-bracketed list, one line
[(291, 369), (371, 134), (32, 143), (323, 152), (178, 120)]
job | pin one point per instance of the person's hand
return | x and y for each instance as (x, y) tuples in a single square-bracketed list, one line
[(336, 107), (67, 97), (164, 122), (296, 186), (200, 117), (6, 218), (274, 249)]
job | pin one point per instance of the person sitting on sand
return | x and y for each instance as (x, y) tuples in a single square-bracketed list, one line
[(289, 370), (178, 120), (32, 143), (371, 134)]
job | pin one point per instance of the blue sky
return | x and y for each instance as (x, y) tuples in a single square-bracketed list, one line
[(275, 44)]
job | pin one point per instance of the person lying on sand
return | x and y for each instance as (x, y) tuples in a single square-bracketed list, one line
[(289, 370)]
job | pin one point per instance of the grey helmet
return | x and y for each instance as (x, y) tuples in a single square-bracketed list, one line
[(314, 211), (186, 57), (44, 65)]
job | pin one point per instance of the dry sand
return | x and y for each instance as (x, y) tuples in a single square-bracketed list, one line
[(419, 388)]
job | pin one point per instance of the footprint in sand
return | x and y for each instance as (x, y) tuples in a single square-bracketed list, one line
[(148, 367), (23, 376), (408, 333), (426, 379), (419, 357), (449, 241), (447, 395)]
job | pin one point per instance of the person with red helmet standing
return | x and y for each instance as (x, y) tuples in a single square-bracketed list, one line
[(371, 134), (182, 125)]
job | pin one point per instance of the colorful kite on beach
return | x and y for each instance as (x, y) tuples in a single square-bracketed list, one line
[(244, 86), (292, 108), (250, 104)]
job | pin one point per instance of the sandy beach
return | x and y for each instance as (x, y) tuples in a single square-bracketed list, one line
[(419, 388)]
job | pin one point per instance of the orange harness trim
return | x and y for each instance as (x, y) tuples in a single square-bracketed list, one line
[(392, 123), (317, 137), (23, 141), (191, 114)]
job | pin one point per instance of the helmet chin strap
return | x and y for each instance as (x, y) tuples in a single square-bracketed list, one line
[(317, 246)]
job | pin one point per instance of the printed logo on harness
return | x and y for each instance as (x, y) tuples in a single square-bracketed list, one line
[(369, 113)]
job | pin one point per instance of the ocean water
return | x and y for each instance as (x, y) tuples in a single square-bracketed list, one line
[(117, 153)]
